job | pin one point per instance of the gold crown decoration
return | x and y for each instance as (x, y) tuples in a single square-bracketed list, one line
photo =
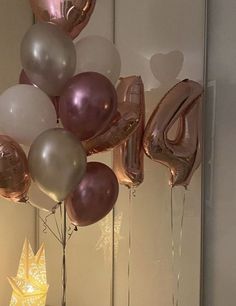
[(30, 285)]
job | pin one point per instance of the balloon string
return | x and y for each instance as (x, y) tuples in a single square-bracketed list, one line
[(61, 216), (57, 226), (172, 244), (132, 194), (181, 246), (62, 239), (45, 223), (64, 274), (50, 229), (175, 298)]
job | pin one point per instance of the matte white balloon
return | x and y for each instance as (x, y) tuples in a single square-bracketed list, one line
[(98, 54), (25, 112)]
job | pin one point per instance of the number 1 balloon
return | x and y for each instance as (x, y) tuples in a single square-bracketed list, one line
[(181, 155), (128, 158), (71, 15), (14, 173)]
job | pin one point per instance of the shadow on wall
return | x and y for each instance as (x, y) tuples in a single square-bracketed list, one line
[(165, 68)]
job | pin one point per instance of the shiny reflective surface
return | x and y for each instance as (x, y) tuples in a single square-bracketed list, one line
[(48, 57), (57, 163), (71, 15), (94, 197), (183, 154), (128, 158), (14, 173), (125, 121), (87, 105)]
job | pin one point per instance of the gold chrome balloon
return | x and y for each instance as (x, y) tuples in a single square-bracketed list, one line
[(57, 163)]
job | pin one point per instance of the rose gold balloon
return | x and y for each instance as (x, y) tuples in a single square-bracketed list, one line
[(71, 15), (14, 173), (128, 158), (182, 154), (130, 113)]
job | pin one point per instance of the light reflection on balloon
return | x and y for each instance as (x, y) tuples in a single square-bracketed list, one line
[(183, 154)]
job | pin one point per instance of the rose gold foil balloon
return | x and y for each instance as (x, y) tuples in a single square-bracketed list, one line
[(128, 158), (71, 15), (14, 173), (125, 122), (182, 154)]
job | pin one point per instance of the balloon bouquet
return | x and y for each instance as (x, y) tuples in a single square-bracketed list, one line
[(74, 83)]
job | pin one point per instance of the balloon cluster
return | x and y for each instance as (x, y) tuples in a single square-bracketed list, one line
[(73, 83)]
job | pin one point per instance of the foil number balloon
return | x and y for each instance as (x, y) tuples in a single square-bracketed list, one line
[(183, 153), (128, 158)]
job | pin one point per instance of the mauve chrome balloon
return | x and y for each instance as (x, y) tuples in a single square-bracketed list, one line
[(71, 15), (94, 197), (128, 117), (87, 105), (48, 57), (57, 163)]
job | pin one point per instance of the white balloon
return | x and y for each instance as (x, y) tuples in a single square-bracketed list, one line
[(25, 112), (98, 54), (39, 199)]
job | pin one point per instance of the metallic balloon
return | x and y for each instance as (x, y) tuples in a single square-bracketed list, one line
[(87, 104), (14, 173), (71, 15), (183, 153), (48, 57), (94, 197), (128, 158), (23, 79), (57, 163), (126, 121)]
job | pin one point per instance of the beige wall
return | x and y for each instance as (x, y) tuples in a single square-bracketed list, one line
[(16, 221), (220, 225), (143, 29)]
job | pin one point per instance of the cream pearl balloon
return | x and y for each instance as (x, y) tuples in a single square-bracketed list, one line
[(98, 54), (25, 112)]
